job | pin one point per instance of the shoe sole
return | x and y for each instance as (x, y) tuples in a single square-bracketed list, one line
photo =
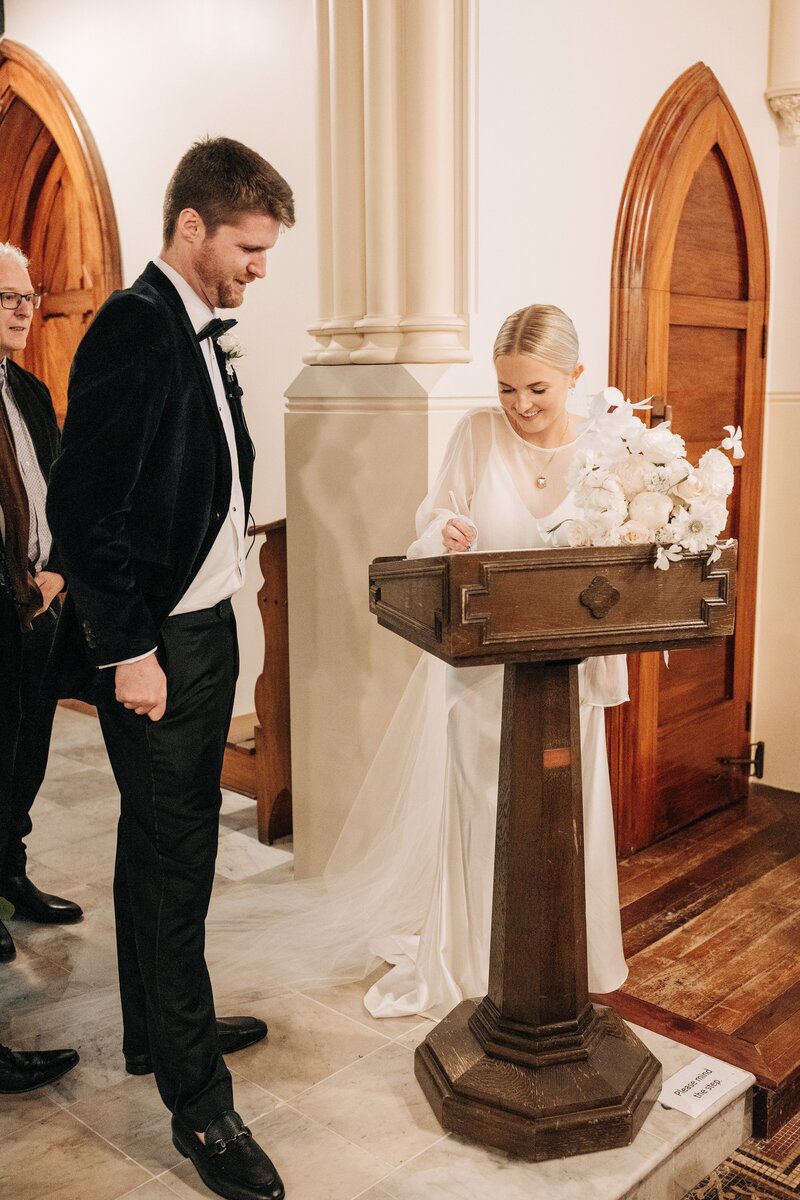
[(240, 1193), (70, 919)]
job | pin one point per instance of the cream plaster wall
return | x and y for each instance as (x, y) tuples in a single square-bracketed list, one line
[(776, 701), (150, 77)]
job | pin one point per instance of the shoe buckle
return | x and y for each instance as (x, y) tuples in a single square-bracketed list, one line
[(221, 1144)]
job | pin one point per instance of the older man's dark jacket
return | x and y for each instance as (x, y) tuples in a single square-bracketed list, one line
[(143, 483)]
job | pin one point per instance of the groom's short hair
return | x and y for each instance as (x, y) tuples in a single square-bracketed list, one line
[(222, 180)]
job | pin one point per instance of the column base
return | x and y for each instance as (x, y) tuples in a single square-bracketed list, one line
[(594, 1102)]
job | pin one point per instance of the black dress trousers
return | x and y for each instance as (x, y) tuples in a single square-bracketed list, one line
[(168, 774), (26, 723)]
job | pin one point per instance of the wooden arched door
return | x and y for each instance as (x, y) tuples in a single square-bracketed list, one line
[(56, 206), (688, 325)]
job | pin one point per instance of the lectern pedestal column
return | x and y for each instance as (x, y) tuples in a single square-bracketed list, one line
[(534, 1068)]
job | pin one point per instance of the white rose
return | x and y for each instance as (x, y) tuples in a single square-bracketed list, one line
[(716, 473), (689, 488), (570, 533), (634, 533), (651, 509), (632, 473)]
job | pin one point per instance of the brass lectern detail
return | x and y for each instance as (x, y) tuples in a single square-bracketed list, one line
[(599, 597)]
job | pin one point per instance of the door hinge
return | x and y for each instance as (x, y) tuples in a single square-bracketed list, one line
[(764, 340), (756, 763), (748, 713)]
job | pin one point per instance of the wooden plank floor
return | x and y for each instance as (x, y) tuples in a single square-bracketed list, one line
[(711, 925)]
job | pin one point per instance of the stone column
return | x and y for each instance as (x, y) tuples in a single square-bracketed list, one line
[(346, 117), (392, 168), (380, 325), (433, 326), (783, 92), (320, 330)]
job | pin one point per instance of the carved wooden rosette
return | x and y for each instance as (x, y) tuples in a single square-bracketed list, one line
[(533, 1067)]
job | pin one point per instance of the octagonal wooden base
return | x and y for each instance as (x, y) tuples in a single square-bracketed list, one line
[(592, 1094)]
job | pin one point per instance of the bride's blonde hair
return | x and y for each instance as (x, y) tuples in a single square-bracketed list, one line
[(544, 332)]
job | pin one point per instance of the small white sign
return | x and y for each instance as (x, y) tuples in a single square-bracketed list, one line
[(696, 1087)]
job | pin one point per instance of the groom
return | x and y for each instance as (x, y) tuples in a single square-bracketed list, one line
[(149, 502)]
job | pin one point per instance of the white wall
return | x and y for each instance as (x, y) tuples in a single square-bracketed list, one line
[(150, 77)]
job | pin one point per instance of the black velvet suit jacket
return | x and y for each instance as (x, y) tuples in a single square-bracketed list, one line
[(143, 482), (33, 400)]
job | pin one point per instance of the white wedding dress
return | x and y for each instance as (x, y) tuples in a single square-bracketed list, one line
[(410, 879)]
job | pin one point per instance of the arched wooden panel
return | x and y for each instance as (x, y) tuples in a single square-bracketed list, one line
[(58, 209), (688, 319)]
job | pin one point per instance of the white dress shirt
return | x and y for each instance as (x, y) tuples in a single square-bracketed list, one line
[(40, 539), (222, 572)]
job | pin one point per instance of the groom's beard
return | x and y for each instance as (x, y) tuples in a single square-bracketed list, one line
[(219, 282)]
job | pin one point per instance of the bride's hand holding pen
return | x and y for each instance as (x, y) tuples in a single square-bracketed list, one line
[(459, 534)]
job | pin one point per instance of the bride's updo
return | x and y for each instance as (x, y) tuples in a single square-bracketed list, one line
[(543, 331)]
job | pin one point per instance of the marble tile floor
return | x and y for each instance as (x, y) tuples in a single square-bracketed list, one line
[(331, 1094)]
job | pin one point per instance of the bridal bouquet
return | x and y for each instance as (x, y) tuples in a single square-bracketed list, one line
[(636, 486)]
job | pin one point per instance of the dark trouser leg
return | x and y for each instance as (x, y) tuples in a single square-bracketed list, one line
[(33, 740), (10, 662), (168, 775)]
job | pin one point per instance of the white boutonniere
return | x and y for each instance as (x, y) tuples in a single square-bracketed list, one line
[(232, 349)]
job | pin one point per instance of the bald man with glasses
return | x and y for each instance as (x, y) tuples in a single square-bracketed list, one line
[(30, 581)]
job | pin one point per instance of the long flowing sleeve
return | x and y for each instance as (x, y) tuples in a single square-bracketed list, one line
[(456, 475)]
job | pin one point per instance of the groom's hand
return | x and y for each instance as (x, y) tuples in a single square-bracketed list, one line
[(142, 686)]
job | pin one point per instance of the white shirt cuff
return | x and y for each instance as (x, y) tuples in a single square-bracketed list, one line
[(124, 661)]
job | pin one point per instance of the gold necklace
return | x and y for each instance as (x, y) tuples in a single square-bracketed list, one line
[(541, 479)]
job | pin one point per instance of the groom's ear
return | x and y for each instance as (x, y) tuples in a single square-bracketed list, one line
[(189, 227)]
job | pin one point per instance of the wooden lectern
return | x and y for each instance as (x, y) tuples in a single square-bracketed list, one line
[(533, 1067)]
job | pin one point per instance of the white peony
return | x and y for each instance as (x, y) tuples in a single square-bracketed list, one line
[(633, 472), (651, 509), (634, 533), (716, 473)]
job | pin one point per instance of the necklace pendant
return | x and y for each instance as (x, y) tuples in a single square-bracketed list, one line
[(541, 482)]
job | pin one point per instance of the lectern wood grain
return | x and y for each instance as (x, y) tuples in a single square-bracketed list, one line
[(533, 1067)]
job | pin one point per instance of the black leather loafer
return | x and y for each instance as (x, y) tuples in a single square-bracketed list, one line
[(25, 1070), (230, 1162), (38, 906), (7, 947), (234, 1034)]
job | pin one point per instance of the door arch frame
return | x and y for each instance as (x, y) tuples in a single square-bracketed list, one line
[(25, 75), (692, 117)]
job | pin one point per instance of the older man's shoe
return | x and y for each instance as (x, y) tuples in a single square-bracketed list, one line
[(230, 1162), (234, 1034), (38, 906), (7, 948), (25, 1070)]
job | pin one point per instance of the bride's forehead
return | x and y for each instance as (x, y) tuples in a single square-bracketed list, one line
[(521, 370)]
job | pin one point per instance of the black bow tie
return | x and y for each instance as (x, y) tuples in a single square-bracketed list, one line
[(215, 329)]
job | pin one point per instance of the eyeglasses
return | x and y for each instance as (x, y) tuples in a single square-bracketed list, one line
[(13, 300)]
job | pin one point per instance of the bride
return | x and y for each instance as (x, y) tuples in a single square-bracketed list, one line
[(410, 880)]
